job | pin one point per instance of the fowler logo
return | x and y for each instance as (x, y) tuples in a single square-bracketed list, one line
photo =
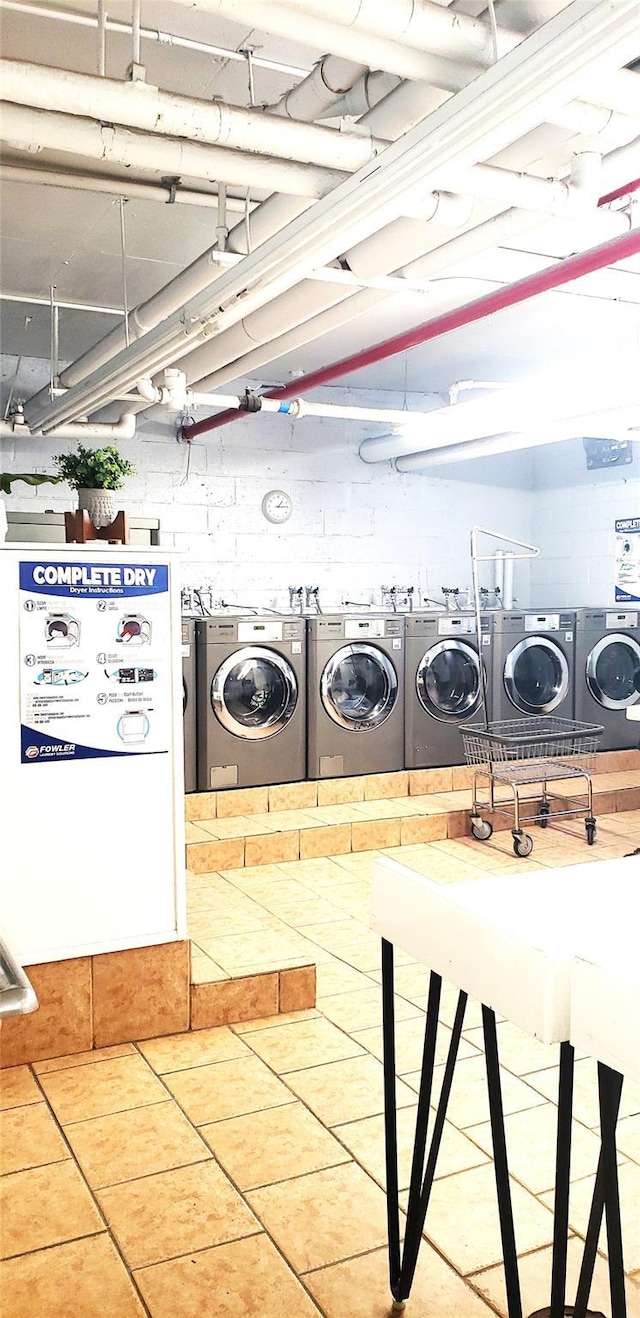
[(32, 752)]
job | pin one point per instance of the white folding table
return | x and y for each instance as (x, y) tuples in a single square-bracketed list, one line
[(557, 954)]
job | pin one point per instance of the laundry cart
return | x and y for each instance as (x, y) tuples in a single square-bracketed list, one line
[(511, 755)]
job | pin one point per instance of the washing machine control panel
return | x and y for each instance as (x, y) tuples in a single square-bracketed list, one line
[(614, 621)]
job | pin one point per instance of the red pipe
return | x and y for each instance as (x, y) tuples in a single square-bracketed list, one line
[(563, 272), (624, 191)]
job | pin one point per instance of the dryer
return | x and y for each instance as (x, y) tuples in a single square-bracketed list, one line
[(443, 684), (251, 701), (607, 668), (189, 702), (533, 663), (355, 688)]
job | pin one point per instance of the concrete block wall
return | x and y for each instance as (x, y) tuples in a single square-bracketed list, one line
[(354, 526), (574, 514)]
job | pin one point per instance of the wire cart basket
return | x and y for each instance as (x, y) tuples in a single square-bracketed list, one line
[(532, 752)]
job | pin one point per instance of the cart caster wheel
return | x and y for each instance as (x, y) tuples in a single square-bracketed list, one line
[(481, 830), (590, 827), (543, 814), (523, 844), (398, 1306)]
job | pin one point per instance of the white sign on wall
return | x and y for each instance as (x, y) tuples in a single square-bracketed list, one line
[(628, 560), (94, 660)]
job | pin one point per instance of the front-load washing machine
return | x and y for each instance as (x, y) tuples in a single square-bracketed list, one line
[(533, 663), (443, 684), (251, 701), (189, 701), (355, 687), (607, 670)]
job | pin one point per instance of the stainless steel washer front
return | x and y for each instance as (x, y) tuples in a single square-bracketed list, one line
[(611, 671), (254, 693), (536, 675), (448, 682), (359, 687)]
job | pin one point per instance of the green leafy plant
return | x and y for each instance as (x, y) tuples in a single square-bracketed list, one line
[(93, 468), (29, 477)]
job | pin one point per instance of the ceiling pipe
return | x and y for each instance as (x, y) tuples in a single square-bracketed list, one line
[(104, 432), (610, 423), (497, 107), (461, 42), (150, 34), (167, 193), (314, 97), (24, 128), (146, 109), (562, 272)]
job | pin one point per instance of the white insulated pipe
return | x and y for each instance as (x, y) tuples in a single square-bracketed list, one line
[(26, 128), (452, 69), (314, 97), (115, 187), (104, 432), (137, 105)]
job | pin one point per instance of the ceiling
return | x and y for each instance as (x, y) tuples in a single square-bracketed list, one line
[(71, 240)]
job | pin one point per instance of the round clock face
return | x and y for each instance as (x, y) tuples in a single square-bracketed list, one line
[(277, 506)]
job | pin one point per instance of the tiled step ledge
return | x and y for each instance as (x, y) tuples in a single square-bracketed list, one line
[(91, 1002), (278, 836)]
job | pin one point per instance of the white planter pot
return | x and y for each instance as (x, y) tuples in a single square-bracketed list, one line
[(100, 505)]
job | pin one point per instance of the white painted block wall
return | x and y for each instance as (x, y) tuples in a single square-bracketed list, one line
[(354, 527), (573, 516)]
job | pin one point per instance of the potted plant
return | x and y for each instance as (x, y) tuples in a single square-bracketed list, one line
[(96, 473)]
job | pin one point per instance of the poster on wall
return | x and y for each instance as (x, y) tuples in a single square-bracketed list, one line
[(95, 660), (628, 560)]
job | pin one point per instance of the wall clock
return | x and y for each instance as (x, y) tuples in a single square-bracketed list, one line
[(277, 506)]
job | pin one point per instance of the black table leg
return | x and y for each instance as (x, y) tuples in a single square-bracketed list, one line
[(505, 1208), (563, 1172), (390, 1115), (601, 1196)]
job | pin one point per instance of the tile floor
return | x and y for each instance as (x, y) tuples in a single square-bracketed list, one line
[(240, 1171)]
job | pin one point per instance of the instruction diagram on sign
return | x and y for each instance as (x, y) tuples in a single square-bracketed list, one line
[(628, 560), (95, 660)]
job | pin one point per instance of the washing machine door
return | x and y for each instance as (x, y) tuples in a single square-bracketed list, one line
[(448, 681), (254, 693), (359, 687), (611, 671), (536, 675)]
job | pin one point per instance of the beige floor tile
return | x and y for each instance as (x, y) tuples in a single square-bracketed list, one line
[(345, 1091), (83, 1059), (365, 1140), (247, 1278), (629, 1137), (45, 1206), (173, 1213), (274, 1145), (410, 1044), (93, 1091), (462, 1221), (324, 1217), (179, 1052), (237, 826), (271, 1022), (271, 848), (325, 840), (203, 969), (84, 1279), (17, 1087), (241, 801), (337, 791), (580, 1203), (585, 1091), (302, 1044), (468, 1103), (519, 1053), (198, 832), (336, 977), (535, 1280), (227, 1089), (135, 1143), (359, 1288), (29, 1137), (362, 1008), (293, 796), (531, 1145)]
